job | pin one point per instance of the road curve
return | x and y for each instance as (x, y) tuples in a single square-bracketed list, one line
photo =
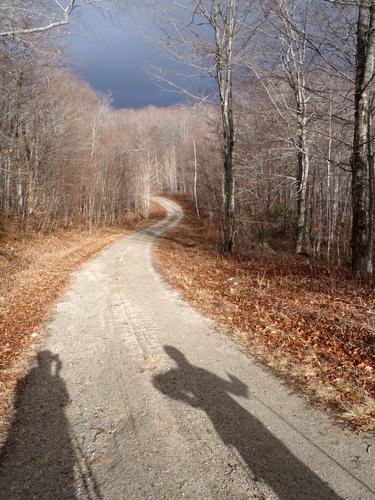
[(136, 395)]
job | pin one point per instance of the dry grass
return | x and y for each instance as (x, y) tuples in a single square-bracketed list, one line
[(34, 271), (307, 322)]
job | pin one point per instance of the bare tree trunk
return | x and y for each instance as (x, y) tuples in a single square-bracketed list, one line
[(302, 179), (329, 208), (362, 266), (224, 78), (294, 63), (195, 179), (229, 199), (371, 178)]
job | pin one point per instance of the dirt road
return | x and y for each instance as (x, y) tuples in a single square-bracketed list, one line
[(135, 395)]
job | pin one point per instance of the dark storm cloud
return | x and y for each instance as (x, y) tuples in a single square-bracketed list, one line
[(113, 58)]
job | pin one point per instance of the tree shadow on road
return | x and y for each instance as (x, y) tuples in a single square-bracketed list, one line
[(39, 455), (267, 457)]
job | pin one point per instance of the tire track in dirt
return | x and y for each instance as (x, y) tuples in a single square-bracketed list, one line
[(135, 395)]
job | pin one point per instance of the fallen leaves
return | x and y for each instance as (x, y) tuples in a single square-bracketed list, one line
[(34, 271), (317, 331), (29, 287)]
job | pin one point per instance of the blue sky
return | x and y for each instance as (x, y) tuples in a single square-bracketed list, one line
[(113, 57)]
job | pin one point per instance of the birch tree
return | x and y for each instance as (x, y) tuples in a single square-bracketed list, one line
[(286, 45), (362, 162), (347, 52), (211, 36), (294, 64)]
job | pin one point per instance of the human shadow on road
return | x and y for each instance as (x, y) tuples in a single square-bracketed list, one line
[(39, 455), (267, 457)]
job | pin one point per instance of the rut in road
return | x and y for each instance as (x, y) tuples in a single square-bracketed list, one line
[(136, 395)]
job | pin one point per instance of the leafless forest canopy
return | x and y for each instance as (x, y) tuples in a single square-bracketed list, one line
[(279, 157)]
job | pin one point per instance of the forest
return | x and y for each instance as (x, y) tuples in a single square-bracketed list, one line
[(273, 159), (278, 154)]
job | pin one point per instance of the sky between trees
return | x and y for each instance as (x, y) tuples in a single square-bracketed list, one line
[(112, 53)]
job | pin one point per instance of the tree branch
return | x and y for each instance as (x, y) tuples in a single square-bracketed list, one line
[(65, 20)]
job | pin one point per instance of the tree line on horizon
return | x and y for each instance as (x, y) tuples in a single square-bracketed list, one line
[(279, 157)]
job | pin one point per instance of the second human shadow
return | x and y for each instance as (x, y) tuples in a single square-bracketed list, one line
[(266, 456)]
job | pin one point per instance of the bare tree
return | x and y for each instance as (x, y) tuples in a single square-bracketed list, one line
[(293, 58), (362, 162), (18, 15), (288, 88), (211, 36)]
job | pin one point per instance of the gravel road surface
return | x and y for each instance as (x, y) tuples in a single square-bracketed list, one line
[(136, 395)]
